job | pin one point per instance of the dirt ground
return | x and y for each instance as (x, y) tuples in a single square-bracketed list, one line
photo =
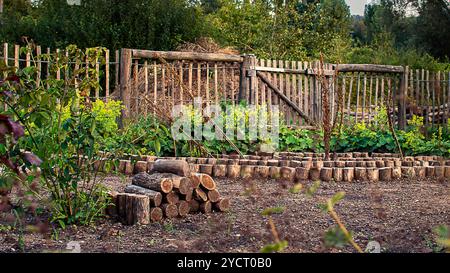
[(399, 215)]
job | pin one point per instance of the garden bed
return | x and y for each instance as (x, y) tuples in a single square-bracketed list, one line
[(400, 216)]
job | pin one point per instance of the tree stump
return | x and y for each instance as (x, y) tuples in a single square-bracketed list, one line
[(326, 173), (233, 171), (219, 170), (314, 173), (385, 173), (348, 174), (338, 174)]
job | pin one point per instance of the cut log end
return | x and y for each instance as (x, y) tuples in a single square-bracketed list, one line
[(222, 205)]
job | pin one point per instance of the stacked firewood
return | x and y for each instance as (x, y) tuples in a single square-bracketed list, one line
[(168, 190)]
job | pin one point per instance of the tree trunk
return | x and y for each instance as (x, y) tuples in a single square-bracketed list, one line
[(141, 209)]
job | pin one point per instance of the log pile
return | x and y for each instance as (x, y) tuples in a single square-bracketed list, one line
[(169, 190)]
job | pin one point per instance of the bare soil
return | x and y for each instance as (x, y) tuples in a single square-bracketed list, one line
[(399, 215)]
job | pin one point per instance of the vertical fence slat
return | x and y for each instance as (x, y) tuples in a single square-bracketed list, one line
[(145, 86), (199, 80), (107, 75), (117, 68), (190, 78), (16, 56), (97, 71), (358, 86), (207, 84), (216, 85), (370, 97), (39, 65), (376, 97), (224, 82), (364, 99), (5, 53)]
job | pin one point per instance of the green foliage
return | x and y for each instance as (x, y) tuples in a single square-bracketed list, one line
[(273, 210), (275, 247), (62, 128), (335, 238), (146, 136), (442, 234)]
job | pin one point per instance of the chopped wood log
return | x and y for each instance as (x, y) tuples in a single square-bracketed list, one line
[(178, 167), (194, 206), (301, 174), (247, 171), (140, 166), (155, 181), (233, 171), (385, 173), (121, 200), (170, 210), (206, 169), (155, 197), (200, 195), (213, 196), (156, 214), (314, 173), (348, 173), (287, 173), (141, 209), (338, 174), (196, 180), (111, 209), (326, 174), (129, 198), (188, 197), (396, 173), (207, 182), (205, 207), (171, 198), (222, 205), (219, 170), (183, 208), (360, 174)]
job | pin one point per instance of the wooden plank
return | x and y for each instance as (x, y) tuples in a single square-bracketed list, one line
[(281, 86), (181, 83), (145, 86), (5, 53), (216, 84), (199, 79), (264, 96), (288, 95), (117, 67), (224, 82), (294, 92), (155, 82), (270, 96), (136, 87), (39, 65), (307, 99), (107, 75), (16, 56), (376, 97), (207, 84), (48, 66), (427, 87), (448, 95), (370, 97), (186, 56), (364, 99), (233, 98), (371, 68), (283, 97), (357, 97), (58, 72), (300, 91), (433, 97), (28, 59), (190, 69), (97, 78)]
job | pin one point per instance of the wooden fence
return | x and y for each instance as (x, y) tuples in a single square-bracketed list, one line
[(145, 80), (107, 71)]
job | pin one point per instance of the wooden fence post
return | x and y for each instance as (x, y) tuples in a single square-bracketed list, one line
[(402, 99), (243, 81), (125, 75)]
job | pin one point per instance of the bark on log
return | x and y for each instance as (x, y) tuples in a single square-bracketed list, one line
[(170, 210), (154, 196), (129, 200), (338, 174), (141, 209), (385, 174), (222, 205), (219, 170), (233, 171), (155, 181), (183, 208), (200, 195), (156, 214), (360, 174), (171, 198), (121, 200), (326, 174), (188, 197), (348, 174), (372, 174), (178, 167), (213, 196), (205, 207), (140, 166), (182, 184), (111, 209), (206, 169)]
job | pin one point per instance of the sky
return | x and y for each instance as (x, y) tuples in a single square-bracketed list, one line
[(357, 6)]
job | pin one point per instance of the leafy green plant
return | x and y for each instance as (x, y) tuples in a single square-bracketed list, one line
[(61, 129)]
